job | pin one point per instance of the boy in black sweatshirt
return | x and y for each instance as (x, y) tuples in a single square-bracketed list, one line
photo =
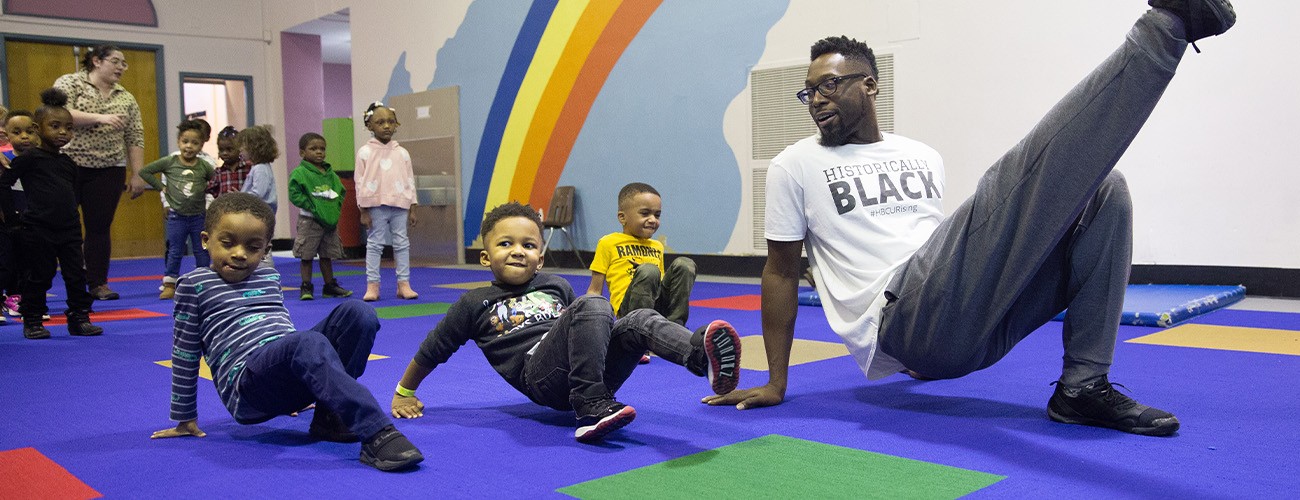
[(563, 352)]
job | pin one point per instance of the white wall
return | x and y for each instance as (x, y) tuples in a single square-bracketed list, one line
[(1209, 180), (1209, 177), (424, 28)]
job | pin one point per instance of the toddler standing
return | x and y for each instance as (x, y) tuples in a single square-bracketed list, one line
[(187, 178), (22, 135), (232, 169), (318, 193), (385, 193), (50, 229), (258, 146)]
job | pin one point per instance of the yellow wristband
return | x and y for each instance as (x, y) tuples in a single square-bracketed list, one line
[(404, 392)]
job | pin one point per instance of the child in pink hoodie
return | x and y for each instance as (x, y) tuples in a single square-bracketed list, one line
[(385, 192)]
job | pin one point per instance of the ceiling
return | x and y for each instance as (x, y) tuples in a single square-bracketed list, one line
[(335, 31)]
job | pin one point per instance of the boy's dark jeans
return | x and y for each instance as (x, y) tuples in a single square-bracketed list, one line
[(669, 294), (587, 354), (318, 365)]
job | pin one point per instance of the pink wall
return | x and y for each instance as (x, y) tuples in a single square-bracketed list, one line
[(139, 12), (304, 91), (338, 91)]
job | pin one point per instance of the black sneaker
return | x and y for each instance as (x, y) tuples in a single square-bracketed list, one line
[(608, 416), (326, 425), (1101, 405), (332, 289), (305, 291), (388, 450), (35, 330), (79, 325), (722, 349), (1201, 18)]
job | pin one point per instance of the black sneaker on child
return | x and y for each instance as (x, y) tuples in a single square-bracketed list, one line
[(604, 417), (722, 349), (79, 325), (1201, 18), (305, 291), (332, 289), (388, 450), (1100, 405), (35, 330), (326, 425)]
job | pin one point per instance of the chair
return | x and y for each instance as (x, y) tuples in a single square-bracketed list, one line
[(560, 216)]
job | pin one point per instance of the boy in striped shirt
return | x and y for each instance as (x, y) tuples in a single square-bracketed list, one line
[(232, 314)]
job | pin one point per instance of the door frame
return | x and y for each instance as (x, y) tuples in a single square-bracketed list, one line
[(160, 71), (248, 89)]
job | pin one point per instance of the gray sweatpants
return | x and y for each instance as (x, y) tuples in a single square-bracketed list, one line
[(1049, 227)]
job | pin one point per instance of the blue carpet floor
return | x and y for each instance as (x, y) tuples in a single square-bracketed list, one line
[(90, 404)]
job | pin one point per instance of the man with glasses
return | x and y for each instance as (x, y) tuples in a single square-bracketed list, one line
[(1048, 228)]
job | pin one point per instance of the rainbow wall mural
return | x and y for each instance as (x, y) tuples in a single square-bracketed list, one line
[(560, 61), (537, 83)]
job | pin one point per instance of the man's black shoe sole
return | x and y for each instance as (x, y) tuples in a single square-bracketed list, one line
[(1160, 431)]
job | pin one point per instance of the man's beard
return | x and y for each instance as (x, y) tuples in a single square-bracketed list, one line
[(834, 136)]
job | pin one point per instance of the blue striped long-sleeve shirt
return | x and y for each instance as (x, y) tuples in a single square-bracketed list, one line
[(223, 323)]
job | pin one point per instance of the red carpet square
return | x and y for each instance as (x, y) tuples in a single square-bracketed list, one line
[(29, 474), (738, 302), (103, 316), (119, 279)]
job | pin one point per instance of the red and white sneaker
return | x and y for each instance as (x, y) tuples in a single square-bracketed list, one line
[(722, 349), (609, 416)]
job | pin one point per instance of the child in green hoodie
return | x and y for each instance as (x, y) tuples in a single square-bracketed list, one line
[(318, 193)]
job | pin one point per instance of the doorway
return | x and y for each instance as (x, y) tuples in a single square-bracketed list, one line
[(221, 100), (31, 64)]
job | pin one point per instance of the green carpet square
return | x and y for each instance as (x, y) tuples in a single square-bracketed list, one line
[(412, 310), (775, 466)]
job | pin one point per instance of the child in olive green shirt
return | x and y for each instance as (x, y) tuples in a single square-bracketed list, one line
[(187, 182)]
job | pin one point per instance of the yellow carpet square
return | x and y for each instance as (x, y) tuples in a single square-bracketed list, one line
[(206, 372), (753, 356), (466, 286), (1230, 338)]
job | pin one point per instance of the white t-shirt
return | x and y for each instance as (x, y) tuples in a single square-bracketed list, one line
[(862, 210)]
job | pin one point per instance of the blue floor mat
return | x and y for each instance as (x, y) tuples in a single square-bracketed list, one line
[(1147, 305), (1167, 305)]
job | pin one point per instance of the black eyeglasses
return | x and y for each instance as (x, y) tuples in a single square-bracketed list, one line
[(826, 88)]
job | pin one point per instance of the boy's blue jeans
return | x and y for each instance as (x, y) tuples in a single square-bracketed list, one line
[(179, 228), (587, 354), (319, 365)]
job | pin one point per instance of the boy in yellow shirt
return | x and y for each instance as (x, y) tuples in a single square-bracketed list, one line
[(633, 264)]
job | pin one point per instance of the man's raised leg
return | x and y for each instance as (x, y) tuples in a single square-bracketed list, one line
[(954, 295)]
